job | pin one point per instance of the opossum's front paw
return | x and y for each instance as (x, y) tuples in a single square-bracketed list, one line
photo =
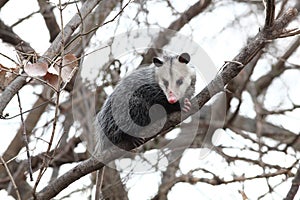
[(187, 105)]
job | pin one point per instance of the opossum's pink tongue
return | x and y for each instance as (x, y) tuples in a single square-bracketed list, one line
[(172, 98)]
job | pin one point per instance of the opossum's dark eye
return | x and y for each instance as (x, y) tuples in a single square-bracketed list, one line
[(157, 62), (179, 81), (166, 83)]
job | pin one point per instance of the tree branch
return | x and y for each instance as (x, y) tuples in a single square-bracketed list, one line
[(3, 2), (46, 11), (10, 37), (264, 81), (295, 187), (270, 12)]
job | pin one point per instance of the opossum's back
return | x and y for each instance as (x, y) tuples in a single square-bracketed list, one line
[(127, 109)]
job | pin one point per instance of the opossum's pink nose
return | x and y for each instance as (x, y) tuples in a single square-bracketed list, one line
[(172, 98)]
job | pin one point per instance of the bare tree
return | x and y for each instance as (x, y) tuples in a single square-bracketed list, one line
[(250, 104)]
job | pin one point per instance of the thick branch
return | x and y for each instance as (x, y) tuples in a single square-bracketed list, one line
[(46, 11), (3, 2), (10, 92), (92, 164), (9, 36), (270, 12)]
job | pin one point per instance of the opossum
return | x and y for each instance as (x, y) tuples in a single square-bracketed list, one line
[(168, 82)]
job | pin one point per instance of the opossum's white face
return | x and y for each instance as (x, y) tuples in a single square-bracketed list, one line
[(174, 76)]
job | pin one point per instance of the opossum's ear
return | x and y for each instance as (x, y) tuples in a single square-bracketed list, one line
[(184, 58), (157, 62)]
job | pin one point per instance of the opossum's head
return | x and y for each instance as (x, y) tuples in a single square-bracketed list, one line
[(174, 76)]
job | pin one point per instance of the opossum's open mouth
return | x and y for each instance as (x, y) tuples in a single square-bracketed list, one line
[(172, 98)]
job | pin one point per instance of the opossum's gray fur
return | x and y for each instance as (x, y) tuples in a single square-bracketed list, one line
[(126, 111)]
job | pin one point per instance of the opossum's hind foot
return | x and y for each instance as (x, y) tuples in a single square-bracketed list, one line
[(187, 105), (132, 142), (138, 141)]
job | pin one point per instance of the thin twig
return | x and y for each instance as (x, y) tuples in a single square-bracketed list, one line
[(282, 8), (25, 138), (11, 178), (36, 12), (97, 27), (99, 183), (24, 18), (26, 111), (9, 58), (226, 62), (290, 33)]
